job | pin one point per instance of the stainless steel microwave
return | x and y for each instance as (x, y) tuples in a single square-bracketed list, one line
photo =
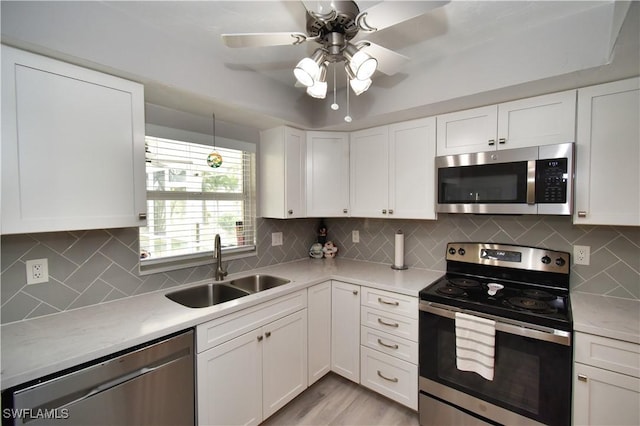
[(536, 180)]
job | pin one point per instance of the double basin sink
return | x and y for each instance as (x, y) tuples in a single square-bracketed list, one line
[(215, 293)]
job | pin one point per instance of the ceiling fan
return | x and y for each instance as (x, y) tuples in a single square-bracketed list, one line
[(333, 27)]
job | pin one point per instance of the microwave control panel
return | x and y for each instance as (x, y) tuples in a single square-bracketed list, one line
[(552, 179)]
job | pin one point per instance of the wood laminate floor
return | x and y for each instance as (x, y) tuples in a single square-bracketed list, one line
[(334, 400)]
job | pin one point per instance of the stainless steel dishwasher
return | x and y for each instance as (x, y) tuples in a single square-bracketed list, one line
[(151, 384)]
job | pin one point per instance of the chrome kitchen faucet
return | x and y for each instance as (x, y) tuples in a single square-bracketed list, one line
[(220, 273)]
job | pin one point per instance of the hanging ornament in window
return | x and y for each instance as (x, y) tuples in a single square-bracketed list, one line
[(214, 159)]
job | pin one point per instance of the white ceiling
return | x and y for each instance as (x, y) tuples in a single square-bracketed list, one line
[(463, 54)]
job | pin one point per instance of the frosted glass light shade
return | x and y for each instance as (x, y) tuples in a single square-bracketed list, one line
[(318, 90), (306, 71), (360, 86), (363, 65)]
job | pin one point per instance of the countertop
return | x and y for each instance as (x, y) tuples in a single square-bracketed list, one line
[(606, 316), (34, 348)]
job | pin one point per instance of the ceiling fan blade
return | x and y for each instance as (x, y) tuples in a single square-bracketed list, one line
[(389, 62), (388, 13), (263, 39)]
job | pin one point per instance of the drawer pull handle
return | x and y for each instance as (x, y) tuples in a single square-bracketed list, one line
[(389, 324), (502, 140), (381, 300), (142, 216), (394, 380), (582, 377), (381, 343), (492, 142), (582, 214)]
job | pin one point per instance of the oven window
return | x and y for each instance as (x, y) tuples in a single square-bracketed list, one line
[(531, 377), (486, 184)]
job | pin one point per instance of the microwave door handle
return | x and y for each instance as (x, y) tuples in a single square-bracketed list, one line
[(531, 182)]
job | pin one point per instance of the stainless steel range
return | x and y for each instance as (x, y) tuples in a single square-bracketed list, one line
[(495, 338)]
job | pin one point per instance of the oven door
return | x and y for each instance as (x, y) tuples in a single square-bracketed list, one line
[(532, 374)]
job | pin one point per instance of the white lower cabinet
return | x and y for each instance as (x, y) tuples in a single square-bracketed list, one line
[(248, 377), (606, 384), (345, 330), (319, 326), (389, 339)]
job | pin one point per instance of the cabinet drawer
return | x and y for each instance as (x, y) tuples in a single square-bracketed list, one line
[(397, 325), (225, 328), (390, 302), (389, 344), (389, 376), (615, 355)]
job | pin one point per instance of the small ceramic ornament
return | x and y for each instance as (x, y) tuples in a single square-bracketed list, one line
[(214, 160), (316, 251), (329, 250)]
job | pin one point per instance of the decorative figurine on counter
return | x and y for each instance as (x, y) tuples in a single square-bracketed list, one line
[(322, 233), (330, 250)]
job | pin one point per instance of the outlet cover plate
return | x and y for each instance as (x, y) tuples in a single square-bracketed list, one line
[(37, 271), (276, 239), (355, 236), (581, 255)]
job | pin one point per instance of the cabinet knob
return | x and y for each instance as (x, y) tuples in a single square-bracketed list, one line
[(582, 377), (390, 211), (290, 212), (142, 216), (268, 334), (492, 142), (345, 211), (502, 140), (582, 214), (384, 211), (355, 292), (260, 338)]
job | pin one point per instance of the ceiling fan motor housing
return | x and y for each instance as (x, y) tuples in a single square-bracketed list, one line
[(325, 26)]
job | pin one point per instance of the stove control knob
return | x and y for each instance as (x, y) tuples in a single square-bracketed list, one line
[(546, 260), (452, 251), (461, 251), (560, 261)]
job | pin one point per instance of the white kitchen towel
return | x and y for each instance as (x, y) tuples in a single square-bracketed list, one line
[(475, 344)]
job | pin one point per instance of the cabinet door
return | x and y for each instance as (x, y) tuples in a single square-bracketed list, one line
[(369, 172), (72, 147), (345, 330), (229, 382), (327, 174), (602, 397), (472, 130), (411, 169), (542, 120), (284, 354), (607, 178), (282, 173), (319, 332)]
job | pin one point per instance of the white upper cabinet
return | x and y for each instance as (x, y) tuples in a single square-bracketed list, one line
[(542, 120), (327, 174), (607, 182), (369, 172), (72, 147), (282, 171), (392, 171)]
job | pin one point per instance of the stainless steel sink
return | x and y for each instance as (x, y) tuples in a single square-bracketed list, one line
[(206, 295), (215, 293), (258, 282)]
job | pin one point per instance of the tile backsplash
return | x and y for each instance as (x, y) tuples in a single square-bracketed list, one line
[(91, 267)]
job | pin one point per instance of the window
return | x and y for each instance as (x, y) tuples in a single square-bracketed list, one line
[(189, 202)]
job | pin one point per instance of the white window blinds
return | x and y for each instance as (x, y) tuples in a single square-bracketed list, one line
[(189, 202)]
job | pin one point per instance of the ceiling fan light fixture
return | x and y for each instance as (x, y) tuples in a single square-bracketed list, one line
[(360, 86), (309, 68), (362, 64), (319, 87)]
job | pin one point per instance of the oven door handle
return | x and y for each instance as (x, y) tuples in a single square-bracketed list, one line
[(519, 329)]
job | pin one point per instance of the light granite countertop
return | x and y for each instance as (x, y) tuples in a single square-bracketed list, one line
[(34, 348), (606, 316)]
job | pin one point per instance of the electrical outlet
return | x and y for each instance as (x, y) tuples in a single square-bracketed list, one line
[(37, 271), (355, 236), (276, 239), (581, 255)]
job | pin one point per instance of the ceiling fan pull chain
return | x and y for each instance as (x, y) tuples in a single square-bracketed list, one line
[(334, 105), (347, 117)]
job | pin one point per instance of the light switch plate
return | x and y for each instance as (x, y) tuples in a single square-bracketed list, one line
[(276, 239)]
